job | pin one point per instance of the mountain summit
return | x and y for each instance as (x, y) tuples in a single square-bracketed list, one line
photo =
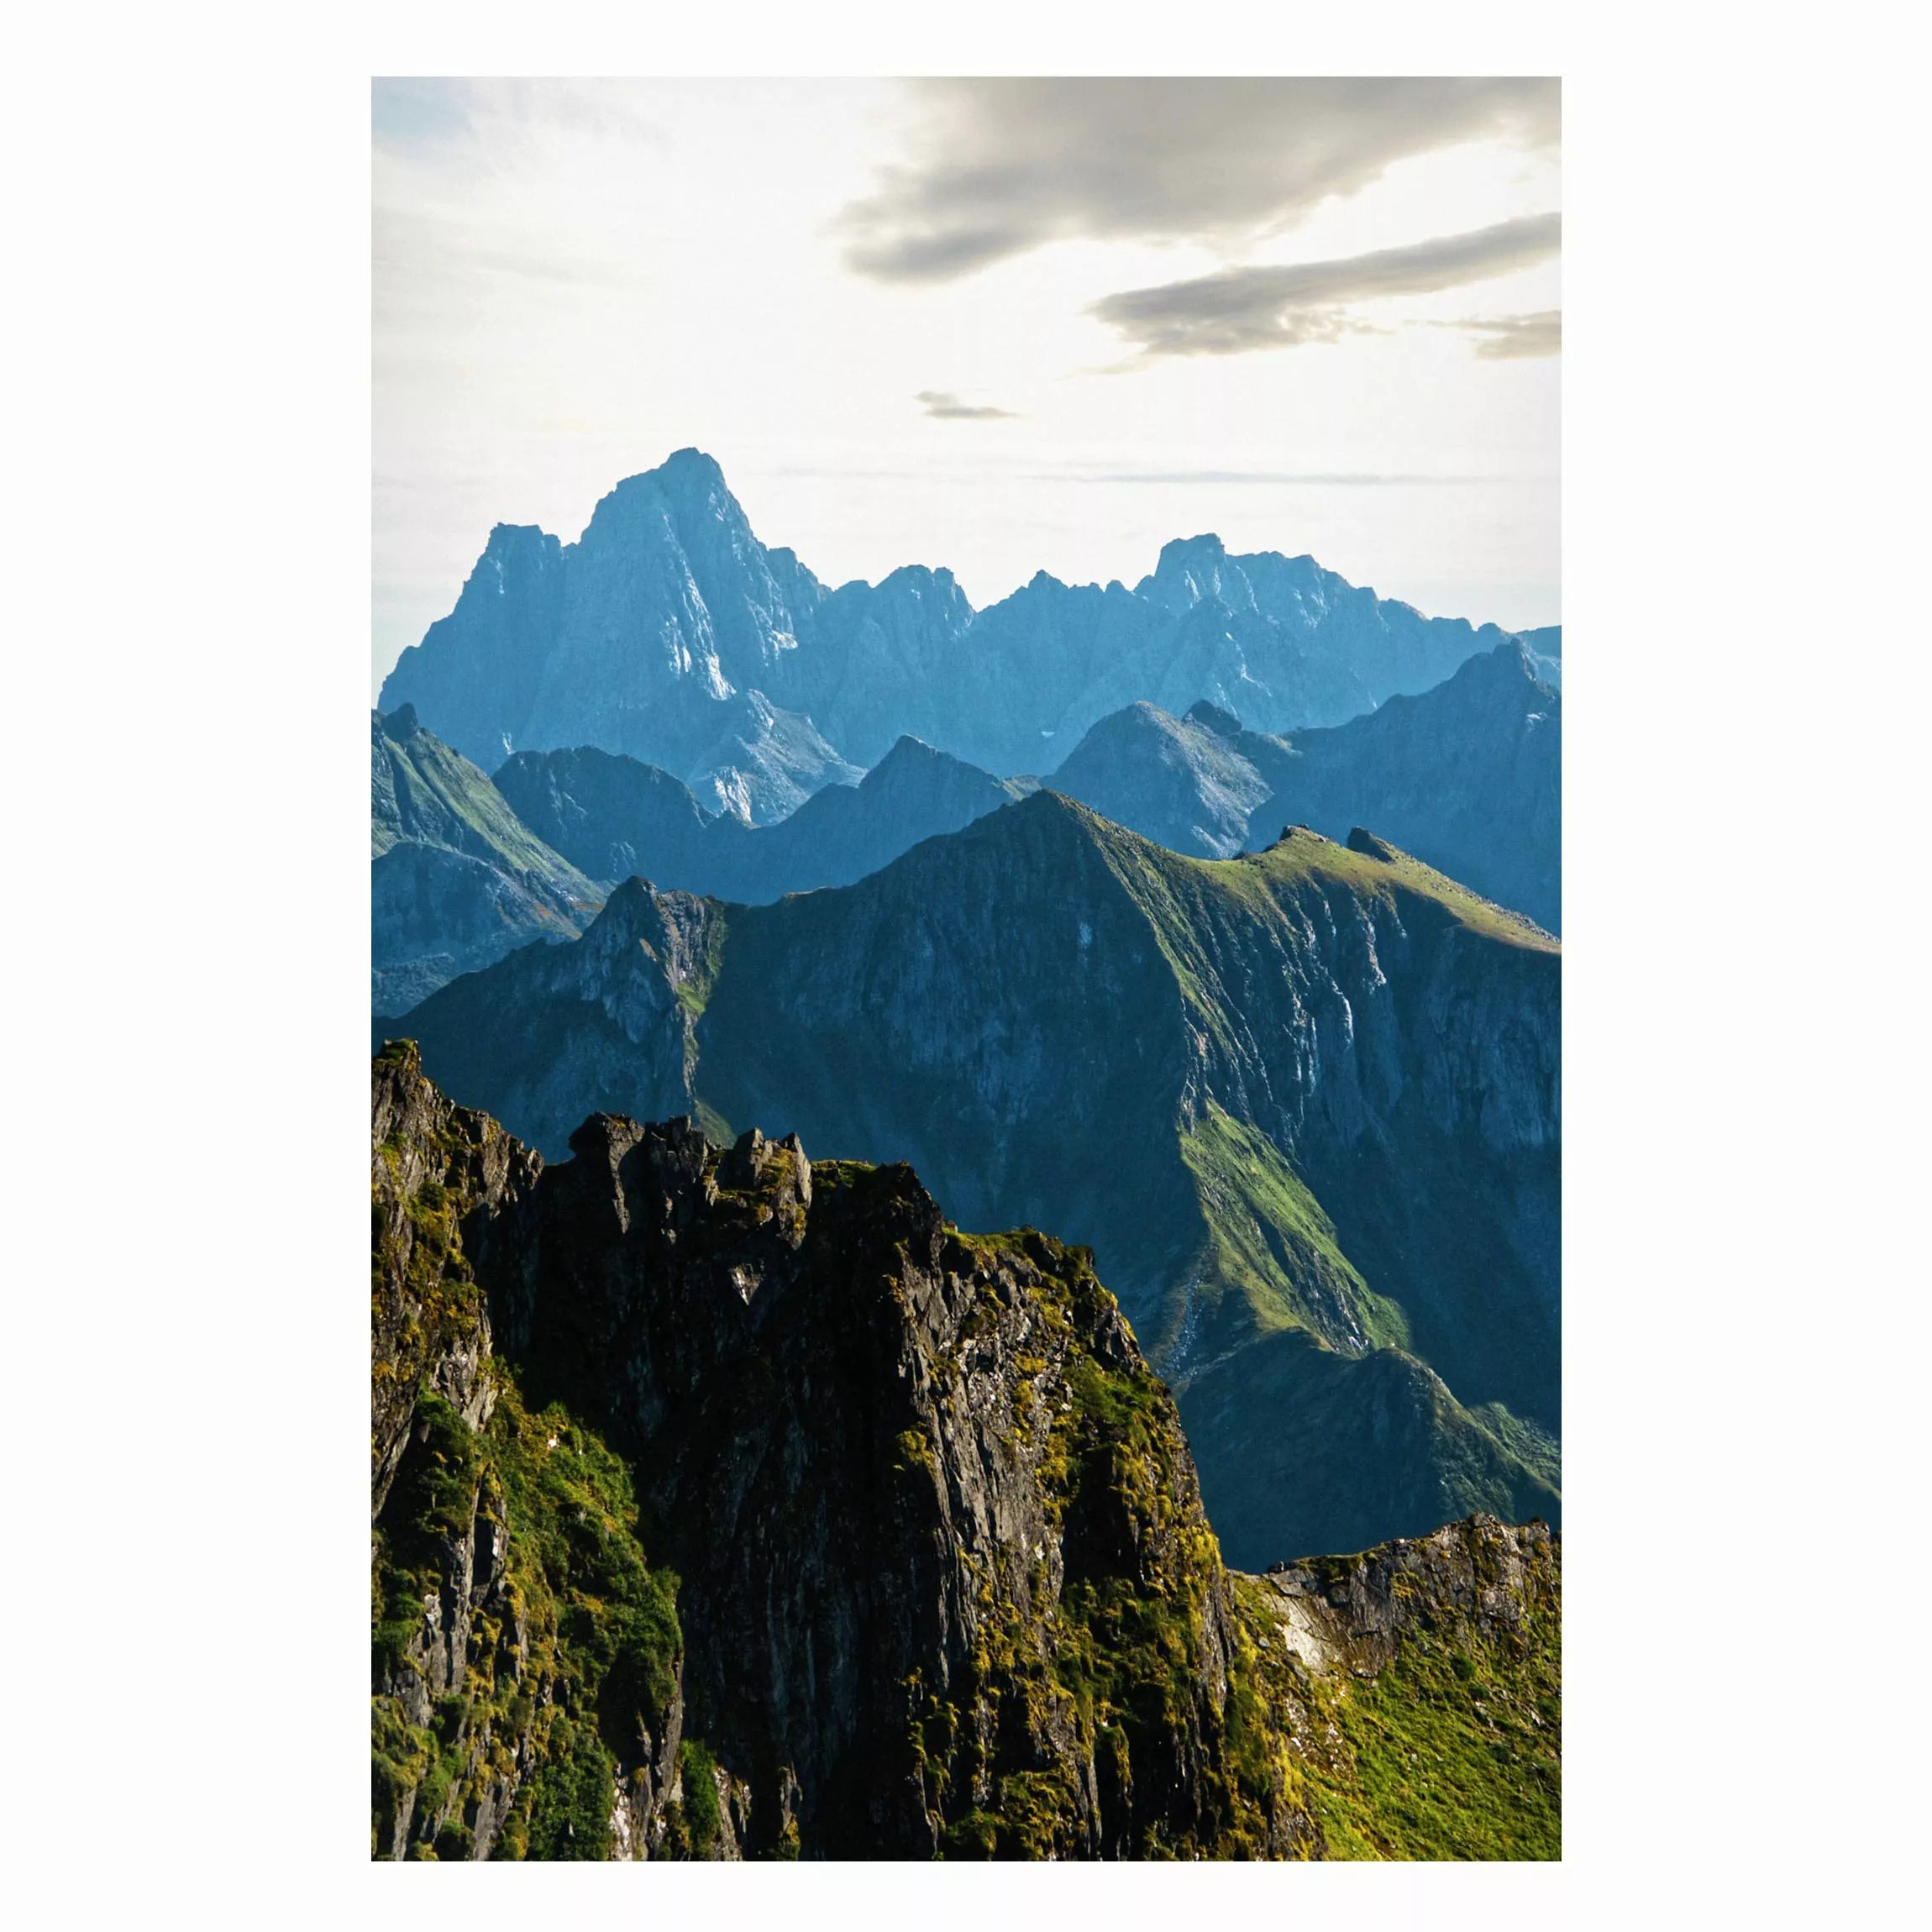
[(669, 633)]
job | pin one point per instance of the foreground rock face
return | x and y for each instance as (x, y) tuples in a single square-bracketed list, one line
[(727, 1505)]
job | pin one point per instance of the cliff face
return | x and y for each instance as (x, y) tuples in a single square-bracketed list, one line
[(1171, 780), (553, 1033), (944, 1584), (729, 1505)]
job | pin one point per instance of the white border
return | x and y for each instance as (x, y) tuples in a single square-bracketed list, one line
[(188, 489)]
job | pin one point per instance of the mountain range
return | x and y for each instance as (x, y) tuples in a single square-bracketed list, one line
[(729, 1503), (617, 819), (1303, 1105), (668, 633), (1467, 776), (456, 879)]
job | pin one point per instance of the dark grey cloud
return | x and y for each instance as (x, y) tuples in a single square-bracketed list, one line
[(997, 167), (1240, 309), (949, 408), (1505, 336)]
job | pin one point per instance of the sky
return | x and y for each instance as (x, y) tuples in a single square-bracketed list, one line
[(1000, 326)]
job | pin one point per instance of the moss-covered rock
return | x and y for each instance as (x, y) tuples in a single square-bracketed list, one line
[(743, 1507)]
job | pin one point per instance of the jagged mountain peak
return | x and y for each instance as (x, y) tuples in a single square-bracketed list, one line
[(907, 753), (1184, 553), (516, 539), (638, 911), (688, 474), (917, 578), (1193, 570), (668, 607), (687, 486)]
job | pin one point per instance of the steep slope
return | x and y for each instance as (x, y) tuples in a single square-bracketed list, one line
[(657, 634), (1467, 776), (1312, 1089), (759, 763), (1384, 646), (845, 831), (615, 817), (1545, 649), (727, 1503), (475, 674), (551, 1034), (1171, 780), (669, 633), (457, 879), (612, 816)]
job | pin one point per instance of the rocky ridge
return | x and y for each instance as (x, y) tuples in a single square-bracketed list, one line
[(669, 633), (1304, 1103), (728, 1504), (1466, 775), (615, 817)]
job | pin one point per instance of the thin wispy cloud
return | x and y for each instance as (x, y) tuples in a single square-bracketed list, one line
[(1504, 337), (1279, 306), (994, 168), (947, 407)]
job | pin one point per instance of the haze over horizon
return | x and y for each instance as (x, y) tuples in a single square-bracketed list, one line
[(1001, 327)]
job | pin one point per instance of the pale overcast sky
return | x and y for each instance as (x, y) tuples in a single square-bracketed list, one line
[(1000, 326)]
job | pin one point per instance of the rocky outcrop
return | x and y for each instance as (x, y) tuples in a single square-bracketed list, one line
[(727, 1505), (943, 1581), (1481, 1578)]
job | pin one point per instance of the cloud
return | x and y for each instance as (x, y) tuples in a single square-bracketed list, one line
[(997, 167), (1506, 336), (1240, 309), (949, 408)]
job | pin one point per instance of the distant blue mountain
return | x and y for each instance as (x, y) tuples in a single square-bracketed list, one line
[(670, 634), (614, 818), (1467, 777), (456, 879)]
